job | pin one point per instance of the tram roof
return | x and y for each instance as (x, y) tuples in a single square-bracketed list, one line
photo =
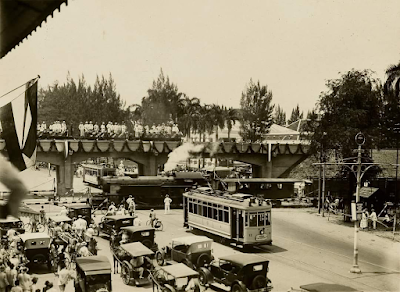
[(262, 180), (140, 180), (188, 240), (76, 206), (239, 259), (179, 270), (227, 199), (94, 265), (137, 249)]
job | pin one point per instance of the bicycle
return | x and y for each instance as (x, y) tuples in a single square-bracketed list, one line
[(157, 224)]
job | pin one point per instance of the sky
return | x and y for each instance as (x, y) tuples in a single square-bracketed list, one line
[(210, 49)]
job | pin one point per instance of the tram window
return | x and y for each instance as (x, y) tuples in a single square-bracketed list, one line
[(226, 208), (220, 215), (280, 186), (215, 212), (267, 218), (261, 219), (190, 207), (246, 220), (226, 216), (210, 212), (205, 211), (253, 219), (268, 186), (194, 208)]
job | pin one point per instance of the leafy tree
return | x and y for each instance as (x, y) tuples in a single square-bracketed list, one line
[(77, 103), (296, 115), (162, 102), (231, 116), (351, 104), (392, 83), (256, 110), (279, 116)]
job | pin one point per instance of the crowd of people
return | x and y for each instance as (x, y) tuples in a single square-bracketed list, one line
[(110, 130)]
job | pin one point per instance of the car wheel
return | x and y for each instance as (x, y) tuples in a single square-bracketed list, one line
[(203, 276), (160, 257), (203, 259), (238, 288), (259, 282)]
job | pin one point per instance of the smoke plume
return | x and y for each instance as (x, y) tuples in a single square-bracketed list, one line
[(182, 153)]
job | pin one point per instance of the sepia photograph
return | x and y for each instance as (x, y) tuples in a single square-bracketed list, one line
[(191, 146)]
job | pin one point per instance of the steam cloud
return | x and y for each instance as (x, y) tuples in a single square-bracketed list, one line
[(182, 153)]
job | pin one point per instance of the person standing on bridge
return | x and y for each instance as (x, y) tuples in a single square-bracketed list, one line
[(167, 203)]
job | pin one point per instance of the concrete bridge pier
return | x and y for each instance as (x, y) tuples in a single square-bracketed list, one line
[(65, 176)]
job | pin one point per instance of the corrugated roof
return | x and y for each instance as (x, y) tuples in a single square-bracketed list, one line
[(19, 18)]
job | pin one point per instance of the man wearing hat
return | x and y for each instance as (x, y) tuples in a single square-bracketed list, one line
[(167, 204), (84, 251)]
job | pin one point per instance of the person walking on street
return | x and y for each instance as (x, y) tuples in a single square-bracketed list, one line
[(24, 280), (3, 279), (364, 220), (153, 217), (64, 276), (17, 287), (373, 218), (11, 274), (167, 203)]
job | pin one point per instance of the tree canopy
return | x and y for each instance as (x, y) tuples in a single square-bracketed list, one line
[(257, 109), (279, 116), (77, 103), (296, 115), (351, 104)]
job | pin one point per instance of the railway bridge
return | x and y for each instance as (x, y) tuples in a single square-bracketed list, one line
[(269, 160)]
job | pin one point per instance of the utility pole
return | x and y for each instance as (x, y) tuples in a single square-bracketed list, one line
[(360, 140)]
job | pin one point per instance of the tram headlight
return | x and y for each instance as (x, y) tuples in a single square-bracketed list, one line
[(262, 231)]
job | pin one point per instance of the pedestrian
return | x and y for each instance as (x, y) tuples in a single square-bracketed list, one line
[(64, 276), (17, 287), (137, 221), (89, 233), (364, 220), (3, 279), (24, 280), (132, 206), (51, 288), (374, 218), (34, 284), (64, 211), (42, 215), (112, 209), (46, 286), (84, 251), (33, 224), (11, 274), (153, 217), (167, 203), (81, 225)]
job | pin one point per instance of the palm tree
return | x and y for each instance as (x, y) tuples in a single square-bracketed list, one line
[(217, 117), (188, 114), (231, 116), (392, 83)]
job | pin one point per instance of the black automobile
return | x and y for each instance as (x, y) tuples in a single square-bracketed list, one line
[(11, 223), (242, 273), (36, 248), (143, 234), (74, 210), (111, 225), (93, 274)]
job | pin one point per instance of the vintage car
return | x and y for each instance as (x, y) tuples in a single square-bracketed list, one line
[(11, 223), (172, 278), (193, 251), (74, 210), (323, 287), (143, 234), (111, 225), (240, 272), (93, 274), (36, 248), (54, 221), (123, 256)]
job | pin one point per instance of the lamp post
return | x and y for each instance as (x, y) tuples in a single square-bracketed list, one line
[(397, 132), (360, 140)]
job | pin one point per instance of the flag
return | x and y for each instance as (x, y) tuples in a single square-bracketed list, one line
[(19, 121)]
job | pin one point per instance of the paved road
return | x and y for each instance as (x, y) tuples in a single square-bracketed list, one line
[(306, 249)]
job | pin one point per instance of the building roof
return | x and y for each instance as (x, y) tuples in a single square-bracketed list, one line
[(19, 18), (366, 192), (241, 260)]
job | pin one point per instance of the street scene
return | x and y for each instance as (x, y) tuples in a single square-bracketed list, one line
[(202, 146)]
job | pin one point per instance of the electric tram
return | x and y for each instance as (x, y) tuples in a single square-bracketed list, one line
[(92, 173), (240, 219)]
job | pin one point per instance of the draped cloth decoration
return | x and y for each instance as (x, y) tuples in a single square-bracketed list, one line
[(18, 119)]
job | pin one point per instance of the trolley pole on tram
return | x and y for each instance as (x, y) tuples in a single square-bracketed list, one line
[(360, 140)]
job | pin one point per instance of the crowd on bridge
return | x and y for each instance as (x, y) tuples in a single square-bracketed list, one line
[(110, 130)]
